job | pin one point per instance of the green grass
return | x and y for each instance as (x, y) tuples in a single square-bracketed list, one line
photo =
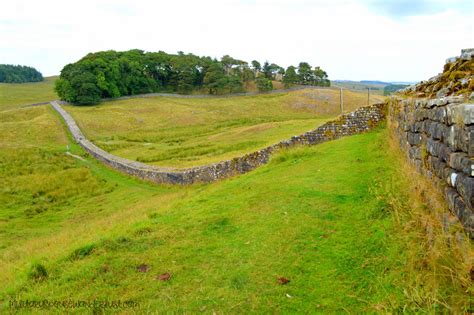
[(16, 95), (188, 132), (317, 216), (335, 219)]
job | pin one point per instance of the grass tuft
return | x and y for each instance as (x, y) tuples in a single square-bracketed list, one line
[(37, 272), (82, 252)]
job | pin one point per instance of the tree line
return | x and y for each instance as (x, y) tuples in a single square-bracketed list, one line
[(111, 74), (19, 74)]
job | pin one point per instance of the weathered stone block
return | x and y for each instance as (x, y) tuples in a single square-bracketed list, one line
[(455, 99), (414, 153), (436, 130), (460, 114), (417, 127), (420, 103), (421, 114), (434, 164), (458, 138), (445, 153), (465, 187), (441, 101), (414, 138), (447, 175), (461, 162), (434, 147), (439, 114), (431, 103), (460, 209), (425, 124)]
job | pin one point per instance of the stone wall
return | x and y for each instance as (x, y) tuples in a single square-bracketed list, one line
[(356, 122), (438, 137), (434, 122)]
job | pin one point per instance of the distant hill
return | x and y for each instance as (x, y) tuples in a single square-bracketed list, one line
[(377, 87), (374, 82), (392, 88)]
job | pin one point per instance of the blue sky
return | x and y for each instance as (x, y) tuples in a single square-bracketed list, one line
[(404, 8), (351, 39)]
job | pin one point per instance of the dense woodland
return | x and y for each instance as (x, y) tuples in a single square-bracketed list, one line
[(19, 74), (110, 74)]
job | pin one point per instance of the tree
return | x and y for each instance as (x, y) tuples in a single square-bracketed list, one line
[(19, 74), (264, 84), (305, 73), (256, 66), (321, 77), (228, 62), (291, 77), (267, 70), (247, 74), (110, 74), (64, 89), (215, 79), (235, 84)]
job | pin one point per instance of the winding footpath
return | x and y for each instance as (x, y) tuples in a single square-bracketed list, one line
[(359, 121)]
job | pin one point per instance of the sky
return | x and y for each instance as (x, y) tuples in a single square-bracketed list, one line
[(389, 40)]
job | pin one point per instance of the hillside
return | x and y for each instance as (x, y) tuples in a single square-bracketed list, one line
[(325, 218), (376, 88), (15, 95), (185, 132), (314, 230)]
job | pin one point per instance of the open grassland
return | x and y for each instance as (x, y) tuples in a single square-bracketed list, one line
[(15, 95), (375, 89), (328, 218), (179, 133)]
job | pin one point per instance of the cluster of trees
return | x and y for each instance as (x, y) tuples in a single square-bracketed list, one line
[(19, 74), (111, 74), (305, 75), (392, 88)]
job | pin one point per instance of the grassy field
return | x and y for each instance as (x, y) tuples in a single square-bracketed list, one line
[(187, 132), (15, 95), (327, 218), (375, 89), (345, 222)]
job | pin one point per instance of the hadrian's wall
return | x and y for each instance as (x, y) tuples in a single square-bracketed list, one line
[(437, 135), (356, 122)]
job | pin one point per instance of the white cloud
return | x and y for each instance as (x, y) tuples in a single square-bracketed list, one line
[(348, 38)]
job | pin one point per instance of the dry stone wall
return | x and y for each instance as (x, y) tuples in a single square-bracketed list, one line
[(434, 121), (356, 122), (438, 137)]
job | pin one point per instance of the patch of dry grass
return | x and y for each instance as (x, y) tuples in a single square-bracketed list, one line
[(439, 254)]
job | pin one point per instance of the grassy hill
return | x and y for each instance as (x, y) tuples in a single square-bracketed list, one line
[(17, 94), (187, 132), (376, 88), (342, 221)]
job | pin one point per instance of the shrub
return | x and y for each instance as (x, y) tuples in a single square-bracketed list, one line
[(37, 272), (264, 84)]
